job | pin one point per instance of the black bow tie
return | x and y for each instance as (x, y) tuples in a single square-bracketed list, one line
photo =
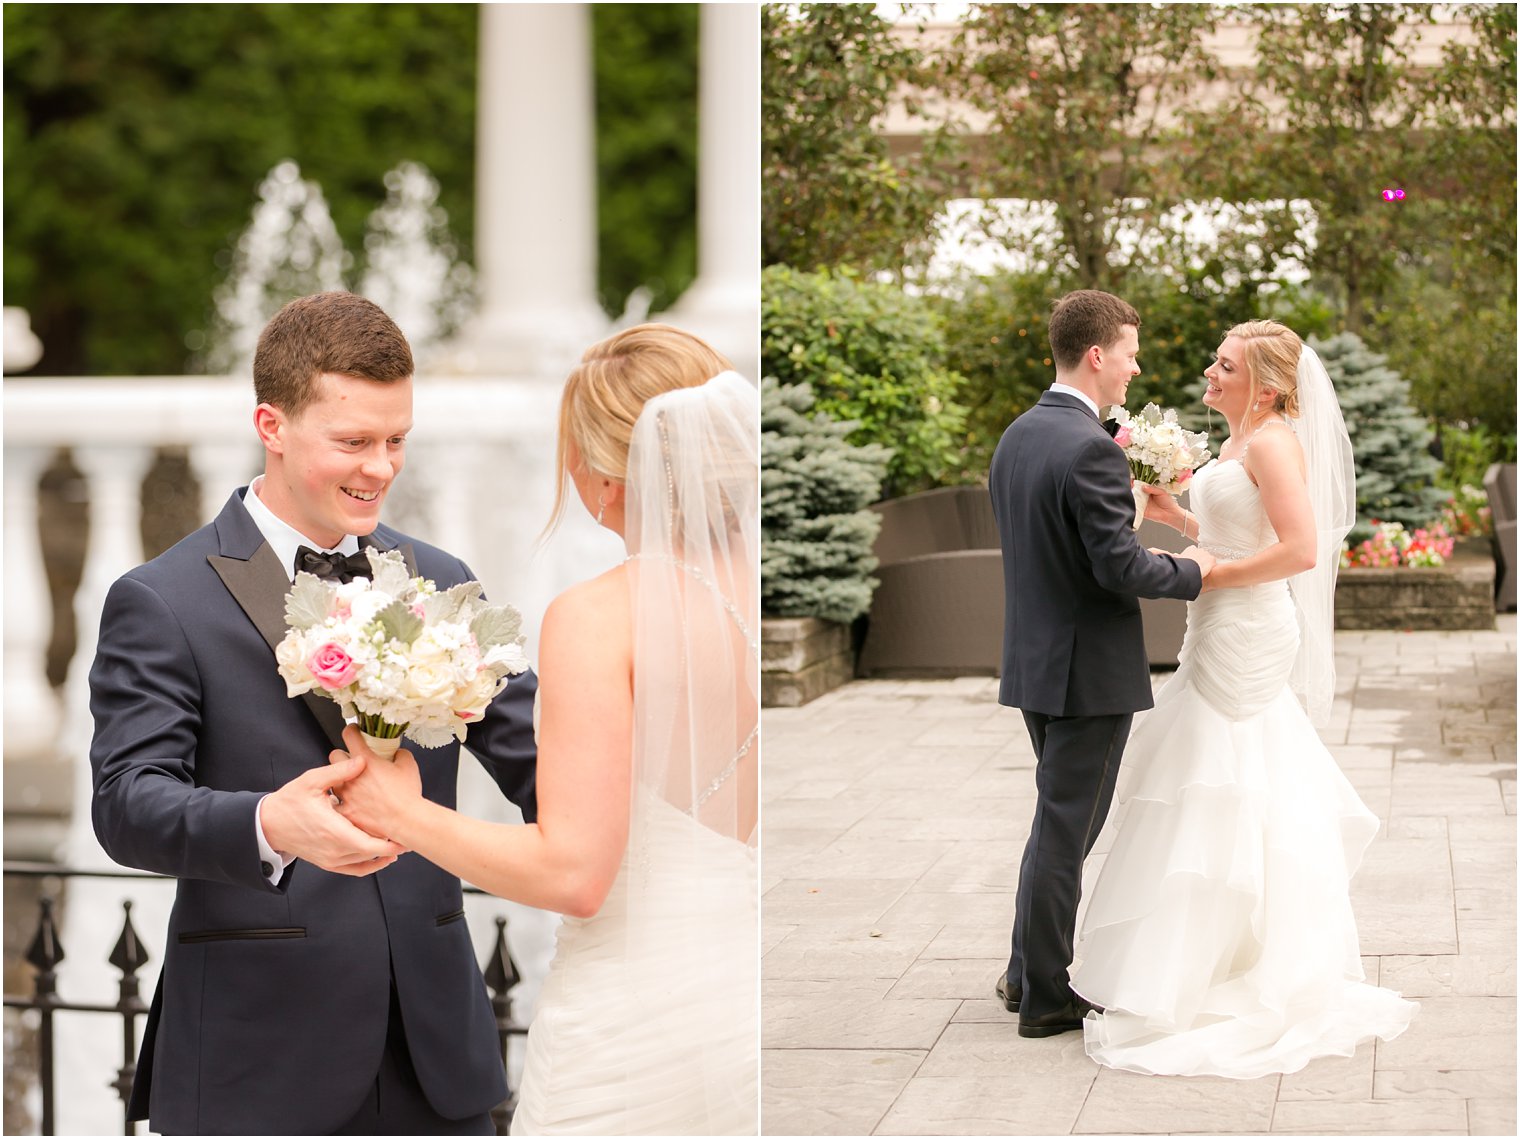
[(332, 567)]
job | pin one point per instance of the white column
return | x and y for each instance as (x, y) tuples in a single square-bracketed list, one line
[(113, 475), (31, 706), (723, 303), (535, 192)]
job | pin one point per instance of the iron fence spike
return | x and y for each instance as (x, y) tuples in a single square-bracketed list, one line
[(46, 950), (499, 969), (129, 955)]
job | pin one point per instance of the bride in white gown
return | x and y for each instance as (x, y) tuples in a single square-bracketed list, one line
[(648, 763), (1219, 936)]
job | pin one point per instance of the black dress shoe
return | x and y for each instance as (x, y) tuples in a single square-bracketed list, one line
[(1010, 999), (1065, 1019)]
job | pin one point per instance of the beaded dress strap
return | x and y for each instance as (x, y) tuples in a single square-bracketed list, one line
[(1258, 431)]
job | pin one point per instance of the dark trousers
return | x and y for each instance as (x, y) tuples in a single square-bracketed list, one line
[(396, 1104), (1077, 765)]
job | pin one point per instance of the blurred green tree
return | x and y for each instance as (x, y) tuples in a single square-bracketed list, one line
[(1334, 113), (136, 136), (831, 192), (646, 150), (1070, 94)]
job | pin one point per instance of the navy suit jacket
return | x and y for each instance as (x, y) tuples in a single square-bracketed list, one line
[(1073, 568), (271, 1011)]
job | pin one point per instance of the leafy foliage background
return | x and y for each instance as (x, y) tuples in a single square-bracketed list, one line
[(136, 135)]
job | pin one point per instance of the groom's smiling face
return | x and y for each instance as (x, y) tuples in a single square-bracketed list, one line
[(1119, 365), (329, 467)]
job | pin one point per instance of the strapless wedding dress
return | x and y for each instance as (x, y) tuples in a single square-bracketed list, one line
[(1219, 934), (647, 1023)]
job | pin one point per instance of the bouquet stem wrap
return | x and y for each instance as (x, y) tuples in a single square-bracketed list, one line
[(1137, 490), (383, 746)]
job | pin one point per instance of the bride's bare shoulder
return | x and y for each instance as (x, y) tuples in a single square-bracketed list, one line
[(599, 606)]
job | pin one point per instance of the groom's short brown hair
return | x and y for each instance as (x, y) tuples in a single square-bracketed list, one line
[(333, 332), (1084, 318)]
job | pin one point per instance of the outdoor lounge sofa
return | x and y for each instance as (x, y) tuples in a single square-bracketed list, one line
[(1499, 482), (939, 608)]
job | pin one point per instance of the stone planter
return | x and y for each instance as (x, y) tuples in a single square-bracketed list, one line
[(1459, 595), (801, 658)]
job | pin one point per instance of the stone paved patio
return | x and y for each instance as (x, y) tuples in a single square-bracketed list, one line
[(895, 813)]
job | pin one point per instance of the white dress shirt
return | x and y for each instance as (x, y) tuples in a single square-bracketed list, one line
[(1063, 389), (284, 539)]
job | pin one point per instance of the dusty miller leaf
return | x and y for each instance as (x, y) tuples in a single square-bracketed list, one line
[(391, 575), (307, 602), (399, 622), (449, 605), (498, 625)]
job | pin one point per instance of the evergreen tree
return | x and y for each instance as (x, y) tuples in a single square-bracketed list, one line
[(1394, 468), (816, 536)]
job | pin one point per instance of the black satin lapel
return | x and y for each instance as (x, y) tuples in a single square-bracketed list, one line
[(259, 585)]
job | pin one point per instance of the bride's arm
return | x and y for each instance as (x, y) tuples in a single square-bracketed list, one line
[(1276, 463), (567, 859)]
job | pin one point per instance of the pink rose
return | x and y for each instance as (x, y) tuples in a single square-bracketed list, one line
[(1121, 436), (1183, 479), (332, 666)]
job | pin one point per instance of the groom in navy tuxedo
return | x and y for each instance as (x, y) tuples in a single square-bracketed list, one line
[(1073, 648), (316, 979)]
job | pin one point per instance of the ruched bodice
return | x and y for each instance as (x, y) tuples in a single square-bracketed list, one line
[(1240, 643), (1232, 523)]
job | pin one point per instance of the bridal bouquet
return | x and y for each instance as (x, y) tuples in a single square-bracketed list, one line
[(1160, 451), (396, 654)]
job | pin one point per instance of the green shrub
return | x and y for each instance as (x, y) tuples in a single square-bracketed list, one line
[(1467, 452), (816, 536), (874, 356), (1453, 339)]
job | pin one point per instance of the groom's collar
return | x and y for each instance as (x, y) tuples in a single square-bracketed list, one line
[(283, 538), (1067, 389)]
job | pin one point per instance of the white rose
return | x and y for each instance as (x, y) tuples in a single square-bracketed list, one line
[(471, 700), (291, 656), (427, 682), (365, 605), (428, 648)]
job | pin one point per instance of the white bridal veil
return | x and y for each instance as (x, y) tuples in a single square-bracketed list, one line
[(1331, 475), (693, 533)]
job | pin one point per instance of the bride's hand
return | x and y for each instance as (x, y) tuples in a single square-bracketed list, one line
[(379, 798), (1161, 506)]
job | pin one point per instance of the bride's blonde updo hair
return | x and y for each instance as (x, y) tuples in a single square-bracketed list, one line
[(605, 393), (1271, 352)]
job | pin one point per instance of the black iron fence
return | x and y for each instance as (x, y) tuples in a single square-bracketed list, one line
[(128, 956)]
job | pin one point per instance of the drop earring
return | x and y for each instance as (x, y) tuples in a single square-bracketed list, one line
[(601, 507)]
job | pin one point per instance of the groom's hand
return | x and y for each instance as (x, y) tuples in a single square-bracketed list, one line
[(300, 821), (1206, 561)]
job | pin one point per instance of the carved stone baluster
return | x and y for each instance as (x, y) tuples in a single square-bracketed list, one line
[(31, 706), (221, 467), (113, 475)]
